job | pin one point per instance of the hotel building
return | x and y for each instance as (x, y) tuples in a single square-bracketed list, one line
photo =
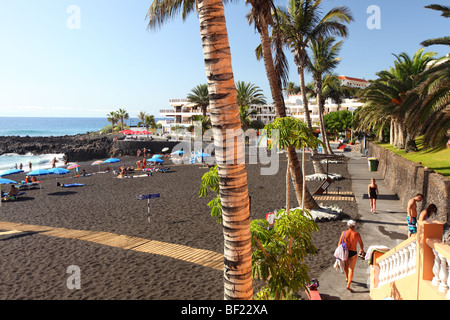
[(182, 110)]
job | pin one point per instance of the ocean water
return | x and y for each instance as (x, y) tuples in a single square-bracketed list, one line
[(45, 127)]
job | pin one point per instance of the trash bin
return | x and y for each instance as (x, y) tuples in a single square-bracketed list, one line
[(373, 164)]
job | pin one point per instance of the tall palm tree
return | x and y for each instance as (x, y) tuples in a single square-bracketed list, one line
[(324, 58), (445, 12), (147, 120), (224, 115), (390, 92), (246, 116), (248, 94), (200, 96), (302, 22), (113, 118), (123, 115), (263, 14), (291, 88), (433, 112)]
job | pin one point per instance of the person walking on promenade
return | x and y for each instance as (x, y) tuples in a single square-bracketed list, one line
[(372, 191), (428, 212), (351, 239), (411, 217)]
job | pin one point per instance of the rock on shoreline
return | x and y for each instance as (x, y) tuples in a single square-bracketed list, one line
[(81, 147)]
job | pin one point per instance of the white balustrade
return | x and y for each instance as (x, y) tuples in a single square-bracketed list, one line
[(443, 274), (398, 265), (441, 269), (435, 281), (448, 279)]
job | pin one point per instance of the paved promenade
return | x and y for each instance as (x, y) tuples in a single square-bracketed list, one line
[(387, 228)]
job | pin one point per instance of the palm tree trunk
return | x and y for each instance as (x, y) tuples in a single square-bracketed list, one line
[(287, 187), (322, 124), (280, 108), (232, 172), (318, 168), (391, 133)]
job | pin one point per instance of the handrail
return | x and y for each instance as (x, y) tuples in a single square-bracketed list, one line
[(417, 268), (441, 266)]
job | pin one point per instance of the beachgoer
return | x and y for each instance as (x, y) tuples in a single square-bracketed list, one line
[(411, 217), (13, 192), (352, 238), (20, 166), (27, 179), (30, 165), (54, 162), (144, 162), (145, 152), (15, 166), (428, 212), (33, 179), (138, 164), (372, 191), (139, 152)]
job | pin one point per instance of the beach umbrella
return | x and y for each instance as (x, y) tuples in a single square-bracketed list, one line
[(59, 171), (128, 132), (73, 166), (157, 156), (39, 172), (10, 172), (7, 181), (98, 162), (157, 160), (178, 152), (111, 160), (203, 155)]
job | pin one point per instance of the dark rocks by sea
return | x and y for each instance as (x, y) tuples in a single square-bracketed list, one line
[(80, 147)]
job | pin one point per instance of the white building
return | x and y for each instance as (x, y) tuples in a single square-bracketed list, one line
[(353, 82), (182, 110)]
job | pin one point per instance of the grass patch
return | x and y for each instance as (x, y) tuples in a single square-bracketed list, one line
[(435, 159)]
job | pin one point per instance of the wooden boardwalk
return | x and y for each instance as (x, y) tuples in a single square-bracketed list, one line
[(202, 257), (335, 196)]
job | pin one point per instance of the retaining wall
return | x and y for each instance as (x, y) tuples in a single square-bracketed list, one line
[(407, 179)]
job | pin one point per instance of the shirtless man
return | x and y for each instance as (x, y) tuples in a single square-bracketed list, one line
[(411, 218), (351, 238)]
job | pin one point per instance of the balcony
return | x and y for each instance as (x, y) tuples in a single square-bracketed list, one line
[(417, 269)]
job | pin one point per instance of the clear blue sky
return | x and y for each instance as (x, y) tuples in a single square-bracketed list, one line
[(112, 61)]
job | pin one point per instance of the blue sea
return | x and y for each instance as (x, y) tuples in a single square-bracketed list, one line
[(45, 127)]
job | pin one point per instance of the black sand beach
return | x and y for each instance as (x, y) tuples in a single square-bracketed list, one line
[(34, 265)]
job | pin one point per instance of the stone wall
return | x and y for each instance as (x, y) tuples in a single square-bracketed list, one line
[(129, 147), (407, 179)]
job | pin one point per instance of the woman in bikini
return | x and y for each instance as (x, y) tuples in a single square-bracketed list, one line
[(351, 239), (428, 212), (372, 191)]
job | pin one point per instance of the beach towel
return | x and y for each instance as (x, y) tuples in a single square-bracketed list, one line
[(372, 249), (341, 252), (72, 185), (339, 265)]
